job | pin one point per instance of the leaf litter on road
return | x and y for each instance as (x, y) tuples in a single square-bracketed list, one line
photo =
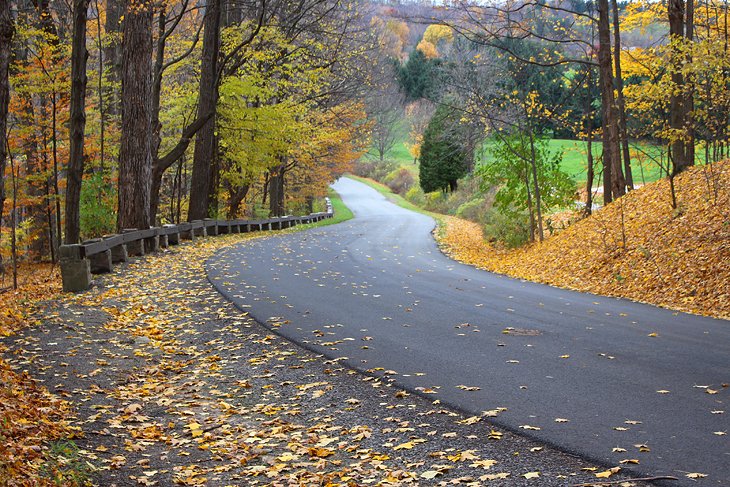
[(173, 385)]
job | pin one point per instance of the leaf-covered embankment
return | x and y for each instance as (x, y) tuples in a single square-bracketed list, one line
[(639, 247)]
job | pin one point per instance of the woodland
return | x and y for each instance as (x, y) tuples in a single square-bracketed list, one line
[(117, 115), (522, 120)]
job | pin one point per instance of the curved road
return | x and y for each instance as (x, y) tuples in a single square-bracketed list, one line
[(377, 290)]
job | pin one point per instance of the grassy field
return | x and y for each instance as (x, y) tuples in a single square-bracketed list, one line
[(574, 158)]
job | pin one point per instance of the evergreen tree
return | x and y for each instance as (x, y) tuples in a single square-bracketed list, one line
[(417, 76), (443, 158)]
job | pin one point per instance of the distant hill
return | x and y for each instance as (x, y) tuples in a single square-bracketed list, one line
[(676, 258)]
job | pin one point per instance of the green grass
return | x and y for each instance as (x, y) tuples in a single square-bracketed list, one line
[(574, 163), (341, 213)]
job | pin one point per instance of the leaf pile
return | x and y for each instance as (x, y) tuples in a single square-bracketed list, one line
[(35, 281), (638, 247), (30, 417)]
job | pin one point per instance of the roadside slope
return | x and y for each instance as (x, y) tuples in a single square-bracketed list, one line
[(639, 247)]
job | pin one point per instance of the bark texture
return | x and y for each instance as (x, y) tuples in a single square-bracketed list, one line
[(681, 28), (613, 180), (200, 188), (135, 153), (77, 122), (7, 29)]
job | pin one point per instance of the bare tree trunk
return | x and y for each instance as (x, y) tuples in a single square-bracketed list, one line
[(681, 29), (623, 130), (530, 210), (588, 113), (536, 184), (7, 29), (276, 190), (135, 152), (613, 181), (205, 138), (77, 122), (113, 53)]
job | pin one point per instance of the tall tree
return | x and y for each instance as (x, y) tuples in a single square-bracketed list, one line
[(77, 122), (135, 151), (443, 159), (681, 31), (7, 28), (623, 131), (614, 184), (205, 146)]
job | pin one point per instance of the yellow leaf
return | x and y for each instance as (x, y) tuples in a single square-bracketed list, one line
[(531, 475), (607, 473)]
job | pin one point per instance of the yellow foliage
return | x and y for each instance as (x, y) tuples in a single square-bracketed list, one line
[(679, 258), (428, 49)]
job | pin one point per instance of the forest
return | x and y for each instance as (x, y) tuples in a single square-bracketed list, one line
[(131, 114)]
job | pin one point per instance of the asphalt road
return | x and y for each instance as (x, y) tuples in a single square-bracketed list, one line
[(586, 370)]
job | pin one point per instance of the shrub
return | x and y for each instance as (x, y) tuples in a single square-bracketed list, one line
[(512, 228), (399, 181)]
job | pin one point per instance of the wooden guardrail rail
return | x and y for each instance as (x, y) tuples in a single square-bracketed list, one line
[(96, 256)]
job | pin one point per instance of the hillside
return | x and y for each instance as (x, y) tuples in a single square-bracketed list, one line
[(678, 259)]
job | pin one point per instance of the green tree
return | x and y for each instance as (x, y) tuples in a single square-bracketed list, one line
[(417, 76), (443, 157), (518, 161)]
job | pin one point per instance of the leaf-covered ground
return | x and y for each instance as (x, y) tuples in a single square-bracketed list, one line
[(172, 385), (638, 247)]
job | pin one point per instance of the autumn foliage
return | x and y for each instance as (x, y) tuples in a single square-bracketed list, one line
[(637, 247)]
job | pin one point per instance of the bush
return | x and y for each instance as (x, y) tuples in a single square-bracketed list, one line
[(399, 181), (98, 207), (473, 210), (416, 195), (374, 169), (511, 228)]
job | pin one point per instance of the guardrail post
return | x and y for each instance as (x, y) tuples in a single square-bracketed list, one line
[(152, 244), (174, 237), (118, 252), (75, 269), (213, 228), (134, 247), (101, 262), (201, 232)]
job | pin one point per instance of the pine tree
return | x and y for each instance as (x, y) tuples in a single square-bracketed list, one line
[(443, 158)]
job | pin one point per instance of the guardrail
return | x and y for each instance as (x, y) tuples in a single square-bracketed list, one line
[(97, 256)]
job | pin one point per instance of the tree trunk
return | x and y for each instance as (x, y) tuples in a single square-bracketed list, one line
[(113, 54), (623, 129), (530, 210), (237, 195), (613, 180), (681, 29), (77, 122), (536, 186), (208, 96), (135, 151), (7, 29), (276, 190)]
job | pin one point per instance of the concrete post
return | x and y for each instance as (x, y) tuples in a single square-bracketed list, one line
[(174, 237), (75, 270), (101, 262), (135, 247), (213, 230), (119, 253), (152, 244)]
